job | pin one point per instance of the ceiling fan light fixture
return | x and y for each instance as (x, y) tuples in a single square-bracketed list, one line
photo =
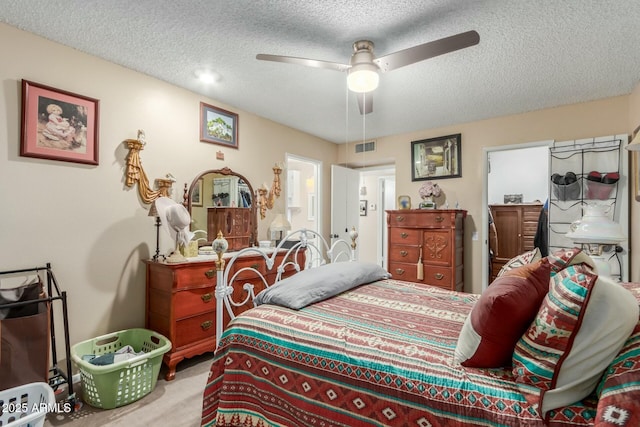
[(363, 78), (207, 76)]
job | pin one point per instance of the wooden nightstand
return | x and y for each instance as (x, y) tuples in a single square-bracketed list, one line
[(181, 303)]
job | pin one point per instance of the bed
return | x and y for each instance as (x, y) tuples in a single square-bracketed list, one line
[(382, 354)]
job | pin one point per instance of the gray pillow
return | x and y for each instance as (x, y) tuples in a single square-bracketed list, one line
[(317, 284)]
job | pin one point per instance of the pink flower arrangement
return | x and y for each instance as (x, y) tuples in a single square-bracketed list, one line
[(429, 189)]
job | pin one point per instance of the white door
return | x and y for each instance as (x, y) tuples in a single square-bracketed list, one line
[(345, 201), (387, 197)]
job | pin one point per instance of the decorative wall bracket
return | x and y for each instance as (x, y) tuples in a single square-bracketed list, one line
[(266, 196), (135, 172)]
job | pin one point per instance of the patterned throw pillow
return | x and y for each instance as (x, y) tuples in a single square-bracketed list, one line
[(520, 260), (563, 258), (502, 314), (582, 324), (619, 390)]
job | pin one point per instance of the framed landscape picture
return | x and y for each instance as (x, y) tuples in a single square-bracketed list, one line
[(436, 158), (218, 126), (58, 125)]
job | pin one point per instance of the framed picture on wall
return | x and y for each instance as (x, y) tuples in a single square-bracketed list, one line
[(363, 208), (218, 126), (436, 158), (58, 125)]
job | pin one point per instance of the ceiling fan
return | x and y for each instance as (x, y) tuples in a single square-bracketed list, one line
[(364, 66)]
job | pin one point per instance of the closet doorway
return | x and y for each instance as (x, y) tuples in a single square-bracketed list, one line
[(514, 175)]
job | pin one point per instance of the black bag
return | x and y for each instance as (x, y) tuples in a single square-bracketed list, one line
[(29, 292)]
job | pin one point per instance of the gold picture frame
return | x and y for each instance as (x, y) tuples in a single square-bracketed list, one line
[(404, 202)]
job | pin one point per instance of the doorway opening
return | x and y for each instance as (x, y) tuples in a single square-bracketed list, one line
[(512, 174), (303, 204)]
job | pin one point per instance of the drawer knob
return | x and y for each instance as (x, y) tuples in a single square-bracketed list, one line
[(206, 297), (206, 324), (400, 271), (439, 276), (400, 218), (210, 274), (439, 218), (404, 253), (404, 235)]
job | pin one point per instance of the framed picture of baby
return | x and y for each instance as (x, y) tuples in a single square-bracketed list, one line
[(58, 125)]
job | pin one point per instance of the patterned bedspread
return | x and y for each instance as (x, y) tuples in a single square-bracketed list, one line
[(378, 355)]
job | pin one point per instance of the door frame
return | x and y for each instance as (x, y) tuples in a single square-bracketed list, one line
[(318, 186), (485, 197)]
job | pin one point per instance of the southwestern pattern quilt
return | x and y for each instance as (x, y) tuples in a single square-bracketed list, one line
[(382, 355)]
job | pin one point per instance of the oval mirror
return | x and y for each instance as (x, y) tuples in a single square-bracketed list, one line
[(223, 200)]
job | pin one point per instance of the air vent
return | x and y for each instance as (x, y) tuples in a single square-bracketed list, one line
[(366, 146)]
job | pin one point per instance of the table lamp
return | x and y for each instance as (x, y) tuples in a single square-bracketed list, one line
[(279, 225), (595, 231)]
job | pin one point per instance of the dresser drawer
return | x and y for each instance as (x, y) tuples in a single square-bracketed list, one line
[(195, 328), (405, 236), (194, 301), (195, 276), (404, 271), (257, 264), (399, 253), (420, 219), (440, 277)]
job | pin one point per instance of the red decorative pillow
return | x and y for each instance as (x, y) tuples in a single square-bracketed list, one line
[(502, 314)]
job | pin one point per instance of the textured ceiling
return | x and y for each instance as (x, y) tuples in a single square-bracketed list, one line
[(532, 54)]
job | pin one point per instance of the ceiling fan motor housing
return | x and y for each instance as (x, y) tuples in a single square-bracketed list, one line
[(363, 74)]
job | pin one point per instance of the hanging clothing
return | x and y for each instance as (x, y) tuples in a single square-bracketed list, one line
[(541, 239)]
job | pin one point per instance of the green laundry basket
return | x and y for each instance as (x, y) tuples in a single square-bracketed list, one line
[(120, 383)]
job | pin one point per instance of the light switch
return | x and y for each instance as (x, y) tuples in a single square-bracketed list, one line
[(372, 206), (474, 235)]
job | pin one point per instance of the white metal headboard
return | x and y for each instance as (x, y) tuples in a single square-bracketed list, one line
[(308, 245)]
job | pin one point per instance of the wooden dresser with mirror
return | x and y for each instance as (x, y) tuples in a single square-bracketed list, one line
[(180, 297)]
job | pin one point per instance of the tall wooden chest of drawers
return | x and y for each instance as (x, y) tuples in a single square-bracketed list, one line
[(181, 302), (516, 226), (434, 235), (234, 224)]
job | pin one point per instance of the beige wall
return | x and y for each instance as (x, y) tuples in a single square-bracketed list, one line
[(599, 118), (83, 219)]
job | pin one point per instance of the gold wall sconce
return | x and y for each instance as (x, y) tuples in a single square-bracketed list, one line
[(266, 196), (135, 172)]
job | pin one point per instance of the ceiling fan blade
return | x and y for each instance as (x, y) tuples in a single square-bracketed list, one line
[(303, 61), (365, 103), (427, 50)]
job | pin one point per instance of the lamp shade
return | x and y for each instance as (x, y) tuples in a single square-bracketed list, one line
[(153, 211), (595, 227), (363, 78), (280, 223), (634, 145)]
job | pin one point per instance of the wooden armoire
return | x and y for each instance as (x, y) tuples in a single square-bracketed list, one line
[(516, 226)]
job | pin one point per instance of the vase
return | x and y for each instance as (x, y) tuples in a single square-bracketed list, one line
[(427, 203)]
